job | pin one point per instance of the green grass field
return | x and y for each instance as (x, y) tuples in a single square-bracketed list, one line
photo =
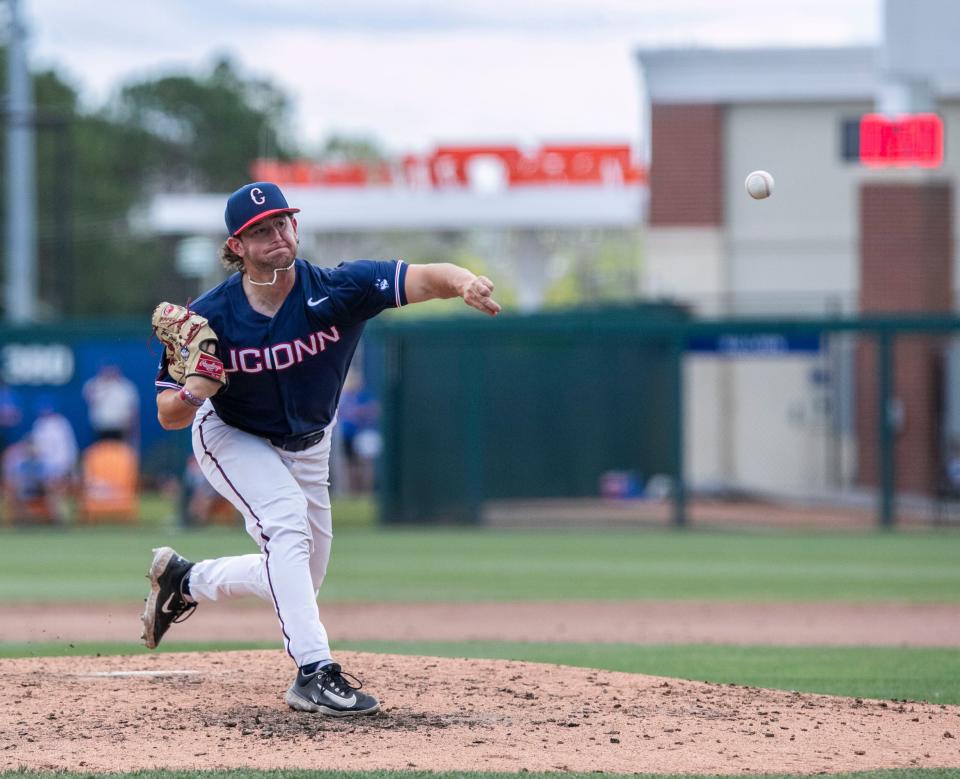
[(107, 564)]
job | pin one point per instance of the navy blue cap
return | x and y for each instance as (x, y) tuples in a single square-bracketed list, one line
[(254, 202)]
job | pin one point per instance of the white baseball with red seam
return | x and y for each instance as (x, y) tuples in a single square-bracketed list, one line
[(759, 184)]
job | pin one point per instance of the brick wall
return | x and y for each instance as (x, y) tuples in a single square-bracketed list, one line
[(917, 387), (686, 171), (905, 267), (905, 248)]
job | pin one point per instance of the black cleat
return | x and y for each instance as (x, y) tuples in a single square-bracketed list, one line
[(327, 692), (165, 605)]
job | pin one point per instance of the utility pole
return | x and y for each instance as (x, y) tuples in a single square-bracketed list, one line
[(20, 292)]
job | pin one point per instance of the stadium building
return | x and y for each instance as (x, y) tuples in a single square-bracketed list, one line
[(862, 143)]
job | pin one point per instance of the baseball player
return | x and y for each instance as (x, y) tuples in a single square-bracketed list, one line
[(256, 366)]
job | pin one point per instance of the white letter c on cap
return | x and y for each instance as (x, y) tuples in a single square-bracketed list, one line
[(256, 195)]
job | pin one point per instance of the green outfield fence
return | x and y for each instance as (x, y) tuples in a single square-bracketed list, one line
[(532, 406), (543, 405), (547, 406)]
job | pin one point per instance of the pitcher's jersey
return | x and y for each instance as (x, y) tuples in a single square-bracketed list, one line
[(285, 372)]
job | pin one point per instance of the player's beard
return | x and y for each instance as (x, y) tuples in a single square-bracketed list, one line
[(275, 261), (279, 257)]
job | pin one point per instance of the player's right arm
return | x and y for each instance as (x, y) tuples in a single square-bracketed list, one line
[(441, 280), (175, 413)]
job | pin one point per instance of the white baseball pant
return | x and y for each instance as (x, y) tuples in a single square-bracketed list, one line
[(284, 498)]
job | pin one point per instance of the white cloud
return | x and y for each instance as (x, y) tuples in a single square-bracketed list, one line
[(413, 90), (414, 72)]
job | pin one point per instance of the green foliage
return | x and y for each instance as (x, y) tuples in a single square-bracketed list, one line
[(188, 132), (460, 254), (53, 94), (97, 169), (111, 261), (593, 267), (90, 172), (346, 148), (210, 129)]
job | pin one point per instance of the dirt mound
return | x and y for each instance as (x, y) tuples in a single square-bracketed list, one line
[(225, 710)]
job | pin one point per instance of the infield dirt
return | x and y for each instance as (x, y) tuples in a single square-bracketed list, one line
[(197, 711)]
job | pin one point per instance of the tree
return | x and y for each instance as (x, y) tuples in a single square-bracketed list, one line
[(90, 172), (210, 129), (95, 168), (345, 148)]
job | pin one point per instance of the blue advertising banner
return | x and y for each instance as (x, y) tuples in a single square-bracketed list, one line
[(49, 370), (759, 344)]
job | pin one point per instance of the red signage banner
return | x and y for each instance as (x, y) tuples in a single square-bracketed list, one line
[(469, 166), (904, 141)]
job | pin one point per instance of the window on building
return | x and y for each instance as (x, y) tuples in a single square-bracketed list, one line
[(850, 140)]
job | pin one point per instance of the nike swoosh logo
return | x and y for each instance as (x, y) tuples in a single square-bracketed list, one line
[(165, 608), (312, 302), (348, 702)]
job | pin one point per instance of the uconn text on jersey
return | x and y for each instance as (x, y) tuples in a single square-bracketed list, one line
[(280, 356)]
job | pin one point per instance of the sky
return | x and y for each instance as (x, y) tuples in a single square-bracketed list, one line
[(411, 74)]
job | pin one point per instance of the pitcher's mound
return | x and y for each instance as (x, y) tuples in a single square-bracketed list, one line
[(195, 711)]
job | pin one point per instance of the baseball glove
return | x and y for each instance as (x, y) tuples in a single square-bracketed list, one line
[(190, 343)]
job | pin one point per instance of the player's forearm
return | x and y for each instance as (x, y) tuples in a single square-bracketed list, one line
[(177, 408), (172, 412), (437, 280), (446, 280)]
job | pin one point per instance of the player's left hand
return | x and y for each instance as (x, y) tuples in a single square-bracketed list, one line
[(477, 294), (190, 344)]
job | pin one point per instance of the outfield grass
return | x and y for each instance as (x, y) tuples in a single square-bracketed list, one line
[(158, 510), (108, 564), (866, 672)]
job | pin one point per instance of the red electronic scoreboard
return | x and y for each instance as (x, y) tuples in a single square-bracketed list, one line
[(904, 141)]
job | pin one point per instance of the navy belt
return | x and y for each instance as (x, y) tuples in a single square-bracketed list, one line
[(297, 443)]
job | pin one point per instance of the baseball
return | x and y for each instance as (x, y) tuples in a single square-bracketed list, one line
[(759, 184)]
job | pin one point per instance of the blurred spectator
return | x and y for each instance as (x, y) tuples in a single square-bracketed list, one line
[(198, 495), (56, 446), (113, 404), (24, 481), (201, 504), (108, 483), (10, 415), (358, 419), (951, 467)]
